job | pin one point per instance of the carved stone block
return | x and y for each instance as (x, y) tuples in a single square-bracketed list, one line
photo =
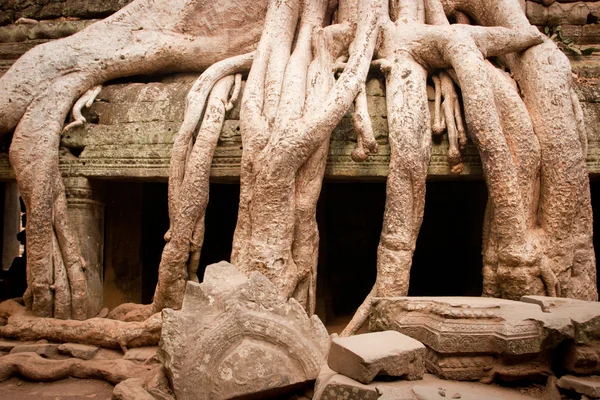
[(471, 338), (332, 386), (237, 336)]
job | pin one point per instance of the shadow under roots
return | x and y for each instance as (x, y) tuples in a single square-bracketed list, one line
[(447, 259)]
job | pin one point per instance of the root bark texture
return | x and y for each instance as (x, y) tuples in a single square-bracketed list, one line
[(95, 331), (494, 74)]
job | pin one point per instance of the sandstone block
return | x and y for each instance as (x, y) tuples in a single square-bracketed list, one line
[(468, 338), (238, 336), (333, 386), (83, 351), (589, 385), (47, 350), (362, 357), (142, 354)]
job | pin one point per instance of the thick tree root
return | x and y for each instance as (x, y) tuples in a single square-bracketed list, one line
[(95, 331), (36, 368)]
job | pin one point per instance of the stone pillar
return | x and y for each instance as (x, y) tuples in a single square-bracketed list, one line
[(85, 199)]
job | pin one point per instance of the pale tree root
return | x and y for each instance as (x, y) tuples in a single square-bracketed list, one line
[(101, 332), (133, 381), (85, 101), (39, 89), (440, 46), (181, 254), (283, 170), (36, 368)]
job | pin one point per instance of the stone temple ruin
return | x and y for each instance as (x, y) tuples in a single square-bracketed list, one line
[(401, 198)]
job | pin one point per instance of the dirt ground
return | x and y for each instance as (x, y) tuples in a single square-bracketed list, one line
[(66, 389)]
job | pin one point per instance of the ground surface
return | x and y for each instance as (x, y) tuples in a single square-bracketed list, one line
[(81, 389), (66, 389)]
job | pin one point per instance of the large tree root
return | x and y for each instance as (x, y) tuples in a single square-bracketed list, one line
[(36, 368), (95, 331), (39, 89)]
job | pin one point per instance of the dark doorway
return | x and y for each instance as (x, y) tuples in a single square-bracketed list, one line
[(221, 216), (595, 193), (447, 259)]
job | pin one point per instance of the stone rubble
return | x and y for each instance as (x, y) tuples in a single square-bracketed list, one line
[(333, 386), (588, 385)]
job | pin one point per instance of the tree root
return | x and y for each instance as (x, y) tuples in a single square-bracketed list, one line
[(85, 101), (36, 368), (101, 332)]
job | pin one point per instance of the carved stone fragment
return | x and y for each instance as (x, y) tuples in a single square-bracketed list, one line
[(332, 386), (239, 336), (362, 357), (476, 338)]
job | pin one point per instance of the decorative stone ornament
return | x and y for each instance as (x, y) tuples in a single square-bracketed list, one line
[(239, 336)]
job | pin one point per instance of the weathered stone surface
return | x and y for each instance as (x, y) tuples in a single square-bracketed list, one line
[(589, 385), (238, 336), (143, 354), (469, 338), (362, 357), (432, 393), (47, 350), (333, 386), (581, 359), (83, 351), (585, 315)]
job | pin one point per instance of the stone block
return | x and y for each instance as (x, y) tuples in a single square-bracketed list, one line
[(238, 336), (472, 338), (581, 359), (8, 345), (585, 315), (332, 386), (83, 351), (143, 354), (589, 385), (47, 350), (362, 357)]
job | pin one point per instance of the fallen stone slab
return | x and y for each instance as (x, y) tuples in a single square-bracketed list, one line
[(585, 315), (82, 351), (237, 336), (476, 338), (332, 386), (143, 354), (47, 350), (362, 357), (588, 385)]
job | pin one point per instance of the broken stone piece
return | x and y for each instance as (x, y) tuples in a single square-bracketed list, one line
[(332, 386), (83, 351), (474, 338), (8, 345), (47, 350), (585, 315), (589, 385), (238, 336), (362, 357), (142, 354)]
